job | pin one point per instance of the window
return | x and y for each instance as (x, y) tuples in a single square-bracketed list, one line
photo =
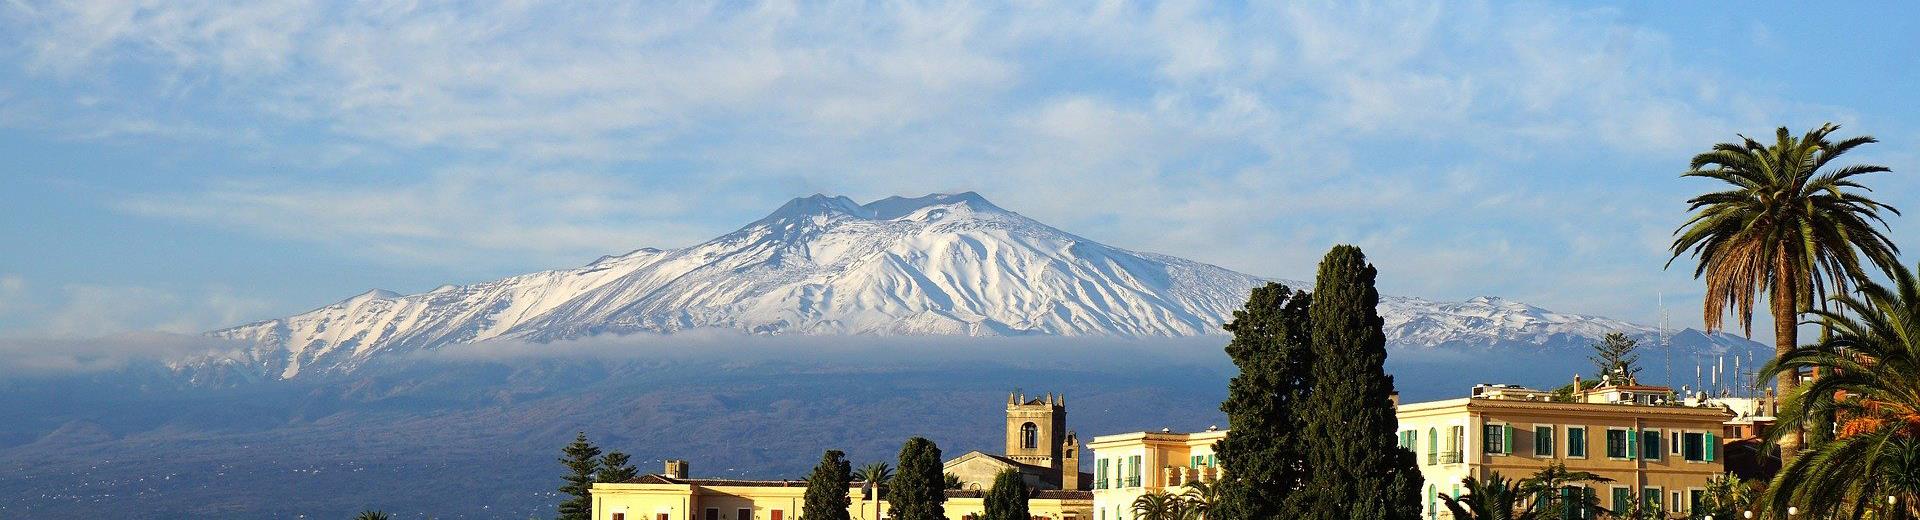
[(1029, 436), (1675, 445), (1133, 471), (1433, 446), (1651, 498), (663, 516), (1694, 498), (1675, 503), (619, 516), (1577, 441), (1100, 474), (778, 515), (1543, 441), (1617, 447), (1650, 444), (1693, 446), (1497, 439), (744, 514), (1622, 498), (1454, 444), (713, 513)]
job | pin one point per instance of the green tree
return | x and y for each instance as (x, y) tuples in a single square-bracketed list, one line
[(1007, 500), (1356, 470), (826, 497), (918, 491), (1203, 498), (1613, 357), (1495, 498), (1555, 494), (1790, 227), (1642, 508), (1870, 355), (1261, 454), (582, 460), (875, 472), (372, 515), (1159, 505), (1726, 497), (951, 481), (614, 467)]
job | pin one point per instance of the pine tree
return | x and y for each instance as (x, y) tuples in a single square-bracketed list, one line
[(1358, 470), (1261, 453), (827, 486), (582, 459), (1007, 500), (916, 492), (614, 468), (1613, 356)]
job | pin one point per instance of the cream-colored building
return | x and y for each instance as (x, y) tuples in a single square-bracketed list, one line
[(1129, 465), (1038, 445), (1635, 435), (673, 496)]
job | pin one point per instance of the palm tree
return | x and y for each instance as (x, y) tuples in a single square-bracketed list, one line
[(1159, 506), (1496, 498), (1726, 497), (1639, 509), (372, 515), (951, 481), (1789, 227), (1200, 497), (876, 472), (1870, 353), (1549, 483)]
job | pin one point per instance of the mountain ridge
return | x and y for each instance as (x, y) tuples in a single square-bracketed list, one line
[(939, 264)]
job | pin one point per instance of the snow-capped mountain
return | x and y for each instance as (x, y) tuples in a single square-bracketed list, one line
[(943, 264)]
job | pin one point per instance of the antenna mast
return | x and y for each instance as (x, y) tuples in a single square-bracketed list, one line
[(1660, 298)]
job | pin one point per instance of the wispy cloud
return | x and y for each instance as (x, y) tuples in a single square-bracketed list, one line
[(1473, 148)]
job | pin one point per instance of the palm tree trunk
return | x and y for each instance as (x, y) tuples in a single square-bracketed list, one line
[(1786, 336)]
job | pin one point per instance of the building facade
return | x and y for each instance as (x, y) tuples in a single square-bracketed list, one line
[(1655, 451), (1129, 465), (1038, 445)]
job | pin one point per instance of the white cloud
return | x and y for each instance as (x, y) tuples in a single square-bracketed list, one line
[(1441, 135)]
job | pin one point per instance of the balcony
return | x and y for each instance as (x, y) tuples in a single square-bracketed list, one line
[(1450, 458)]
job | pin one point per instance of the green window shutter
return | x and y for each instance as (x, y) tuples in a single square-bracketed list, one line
[(1710, 447), (1633, 448), (1506, 439)]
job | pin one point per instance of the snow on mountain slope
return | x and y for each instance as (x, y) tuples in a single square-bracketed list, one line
[(944, 264)]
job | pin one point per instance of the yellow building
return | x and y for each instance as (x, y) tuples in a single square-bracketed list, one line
[(671, 495), (1632, 434), (1038, 445), (1129, 465), (1652, 448)]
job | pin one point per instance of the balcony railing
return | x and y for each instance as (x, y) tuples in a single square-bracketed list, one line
[(1450, 458)]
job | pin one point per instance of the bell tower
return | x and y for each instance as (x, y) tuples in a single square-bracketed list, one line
[(1036, 429)]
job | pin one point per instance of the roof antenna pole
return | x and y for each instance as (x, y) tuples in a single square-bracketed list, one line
[(1660, 299)]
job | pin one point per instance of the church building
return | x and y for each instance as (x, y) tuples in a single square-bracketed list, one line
[(1038, 445)]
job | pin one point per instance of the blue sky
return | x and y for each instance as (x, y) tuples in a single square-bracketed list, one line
[(180, 166)]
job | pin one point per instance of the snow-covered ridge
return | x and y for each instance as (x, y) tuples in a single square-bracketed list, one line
[(942, 264)]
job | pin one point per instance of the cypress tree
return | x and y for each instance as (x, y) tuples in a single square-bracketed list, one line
[(917, 490), (614, 468), (1261, 454), (826, 497), (1358, 470), (1007, 500), (582, 459)]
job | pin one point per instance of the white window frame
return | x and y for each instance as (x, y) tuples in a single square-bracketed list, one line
[(1658, 433), (1503, 425), (1629, 445)]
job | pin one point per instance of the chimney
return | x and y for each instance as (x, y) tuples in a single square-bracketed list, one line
[(676, 469)]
